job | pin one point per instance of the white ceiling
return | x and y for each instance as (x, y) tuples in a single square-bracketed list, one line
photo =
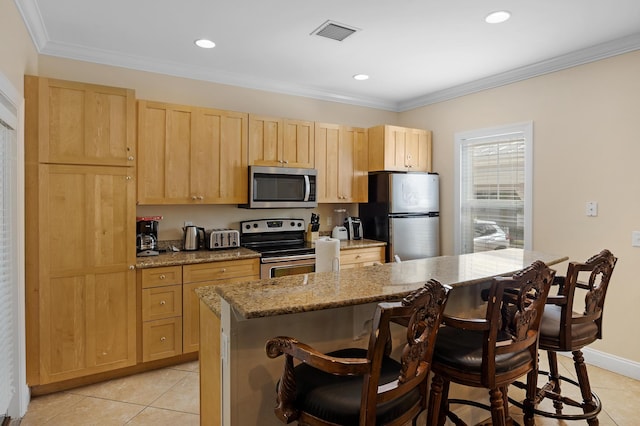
[(416, 51)]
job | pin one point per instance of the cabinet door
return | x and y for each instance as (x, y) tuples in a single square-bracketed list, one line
[(83, 123), (418, 150), (164, 153), (265, 141), (394, 148), (298, 145), (219, 157), (87, 297), (353, 160), (341, 160), (278, 142)]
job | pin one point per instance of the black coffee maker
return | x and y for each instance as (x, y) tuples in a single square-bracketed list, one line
[(147, 236)]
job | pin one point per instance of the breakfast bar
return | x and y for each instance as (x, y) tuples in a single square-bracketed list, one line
[(328, 310)]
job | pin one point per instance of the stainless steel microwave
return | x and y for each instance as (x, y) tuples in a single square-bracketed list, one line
[(281, 187)]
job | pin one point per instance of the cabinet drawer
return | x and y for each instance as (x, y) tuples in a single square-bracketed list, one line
[(155, 277), (221, 270), (161, 302), (161, 338), (368, 255)]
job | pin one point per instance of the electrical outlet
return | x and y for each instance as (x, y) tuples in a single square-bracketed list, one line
[(188, 223), (329, 221), (635, 239), (592, 208)]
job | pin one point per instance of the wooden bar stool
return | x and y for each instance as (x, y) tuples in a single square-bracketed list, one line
[(364, 386), (564, 330), (494, 351)]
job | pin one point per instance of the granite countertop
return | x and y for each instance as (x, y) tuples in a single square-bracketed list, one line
[(390, 281), (190, 257), (204, 256)]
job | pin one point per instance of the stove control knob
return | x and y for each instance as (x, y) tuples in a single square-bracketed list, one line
[(247, 226), (255, 225)]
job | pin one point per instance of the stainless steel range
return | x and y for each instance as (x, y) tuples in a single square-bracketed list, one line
[(281, 244)]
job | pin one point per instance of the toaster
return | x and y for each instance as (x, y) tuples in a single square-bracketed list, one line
[(222, 238)]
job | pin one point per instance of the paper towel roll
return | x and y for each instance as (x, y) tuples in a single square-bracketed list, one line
[(327, 254)]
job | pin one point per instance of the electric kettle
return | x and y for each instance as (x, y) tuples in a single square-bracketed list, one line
[(193, 237)]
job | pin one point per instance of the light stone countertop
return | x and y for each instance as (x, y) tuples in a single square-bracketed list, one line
[(391, 281), (191, 257), (204, 256)]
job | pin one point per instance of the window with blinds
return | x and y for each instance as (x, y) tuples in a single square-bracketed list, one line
[(7, 274), (494, 190)]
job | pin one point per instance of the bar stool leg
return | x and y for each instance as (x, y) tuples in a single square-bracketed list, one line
[(498, 416), (554, 378), (585, 387)]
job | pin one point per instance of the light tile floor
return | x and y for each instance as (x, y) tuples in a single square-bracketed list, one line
[(170, 396)]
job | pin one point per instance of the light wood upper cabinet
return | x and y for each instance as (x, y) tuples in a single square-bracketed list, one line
[(87, 296), (341, 160), (190, 155), (393, 148), (81, 123), (279, 142)]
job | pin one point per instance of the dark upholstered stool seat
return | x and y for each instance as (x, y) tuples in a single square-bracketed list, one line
[(337, 399), (550, 327), (462, 350)]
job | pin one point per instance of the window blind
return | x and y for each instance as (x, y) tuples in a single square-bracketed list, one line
[(7, 338), (492, 192)]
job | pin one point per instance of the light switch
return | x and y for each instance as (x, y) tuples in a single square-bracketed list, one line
[(592, 208), (635, 239)]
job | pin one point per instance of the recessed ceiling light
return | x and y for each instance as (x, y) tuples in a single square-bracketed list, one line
[(497, 17), (361, 77), (205, 44)]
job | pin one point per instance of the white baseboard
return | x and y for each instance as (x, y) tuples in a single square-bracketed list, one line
[(610, 362)]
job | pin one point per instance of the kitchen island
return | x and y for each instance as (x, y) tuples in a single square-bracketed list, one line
[(327, 310)]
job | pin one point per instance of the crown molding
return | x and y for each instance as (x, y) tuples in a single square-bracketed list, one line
[(35, 24), (578, 57)]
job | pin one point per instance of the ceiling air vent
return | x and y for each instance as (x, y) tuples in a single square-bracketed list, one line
[(334, 31)]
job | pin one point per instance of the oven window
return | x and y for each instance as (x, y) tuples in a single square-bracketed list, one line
[(283, 271)]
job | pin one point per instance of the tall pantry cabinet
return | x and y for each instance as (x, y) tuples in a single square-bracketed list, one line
[(80, 227)]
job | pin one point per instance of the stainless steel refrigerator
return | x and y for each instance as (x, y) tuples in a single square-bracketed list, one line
[(404, 211)]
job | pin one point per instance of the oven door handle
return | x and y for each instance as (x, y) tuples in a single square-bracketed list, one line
[(288, 258)]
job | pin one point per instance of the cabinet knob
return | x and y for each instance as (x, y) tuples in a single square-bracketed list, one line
[(132, 267), (162, 302), (194, 198), (162, 276), (223, 270), (200, 197), (162, 339), (128, 178), (130, 158)]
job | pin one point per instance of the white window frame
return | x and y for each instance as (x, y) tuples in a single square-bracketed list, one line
[(12, 113), (461, 138)]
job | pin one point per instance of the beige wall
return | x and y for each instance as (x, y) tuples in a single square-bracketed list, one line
[(586, 148), (18, 55)]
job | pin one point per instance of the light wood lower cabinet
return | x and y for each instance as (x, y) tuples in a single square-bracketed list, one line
[(170, 306), (161, 294), (357, 258), (204, 274), (86, 292)]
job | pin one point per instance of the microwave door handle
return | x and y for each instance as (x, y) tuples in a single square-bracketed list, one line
[(307, 188)]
